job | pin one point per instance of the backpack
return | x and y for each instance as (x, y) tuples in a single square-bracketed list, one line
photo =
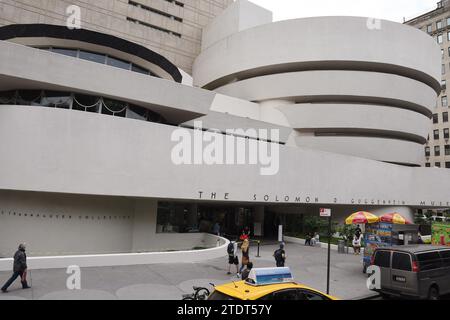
[(278, 255), (230, 249)]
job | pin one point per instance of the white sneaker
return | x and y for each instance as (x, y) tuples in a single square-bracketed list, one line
[(238, 275)]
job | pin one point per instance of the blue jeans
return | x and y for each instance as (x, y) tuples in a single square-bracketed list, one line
[(12, 279)]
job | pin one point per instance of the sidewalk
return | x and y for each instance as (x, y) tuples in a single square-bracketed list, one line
[(171, 281)]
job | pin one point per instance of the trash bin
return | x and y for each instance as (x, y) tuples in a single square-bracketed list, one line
[(341, 246)]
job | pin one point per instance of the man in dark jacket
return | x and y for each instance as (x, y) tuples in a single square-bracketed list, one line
[(280, 256), (20, 269)]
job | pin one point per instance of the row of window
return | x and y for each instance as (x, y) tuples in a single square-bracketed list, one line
[(79, 102), (162, 13), (437, 136), (444, 117), (154, 27), (438, 165), (437, 151), (100, 58), (440, 37), (439, 25), (178, 3)]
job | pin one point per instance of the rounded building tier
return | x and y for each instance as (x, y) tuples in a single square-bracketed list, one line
[(348, 85)]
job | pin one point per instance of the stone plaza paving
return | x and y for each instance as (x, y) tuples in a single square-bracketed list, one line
[(171, 281)]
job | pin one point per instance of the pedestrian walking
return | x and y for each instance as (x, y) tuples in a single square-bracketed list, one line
[(247, 270), (245, 254), (216, 229), (357, 240), (308, 240), (19, 269), (233, 257), (280, 256)]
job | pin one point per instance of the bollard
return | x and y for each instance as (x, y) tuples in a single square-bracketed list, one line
[(258, 256)]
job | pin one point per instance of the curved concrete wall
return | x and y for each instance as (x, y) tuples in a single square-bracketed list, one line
[(336, 65), (332, 40), (64, 151), (389, 150), (332, 117), (335, 86), (23, 67), (126, 259)]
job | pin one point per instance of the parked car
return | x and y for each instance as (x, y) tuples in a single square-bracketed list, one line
[(414, 271)]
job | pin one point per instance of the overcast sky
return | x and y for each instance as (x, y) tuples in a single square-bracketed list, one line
[(394, 10)]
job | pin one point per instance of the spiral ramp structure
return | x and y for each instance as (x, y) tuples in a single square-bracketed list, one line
[(345, 85)]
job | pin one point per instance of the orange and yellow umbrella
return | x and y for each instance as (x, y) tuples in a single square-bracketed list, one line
[(395, 218), (362, 217)]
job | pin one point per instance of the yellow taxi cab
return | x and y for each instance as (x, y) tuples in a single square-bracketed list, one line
[(268, 284)]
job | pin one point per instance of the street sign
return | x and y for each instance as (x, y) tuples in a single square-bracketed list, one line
[(325, 213)]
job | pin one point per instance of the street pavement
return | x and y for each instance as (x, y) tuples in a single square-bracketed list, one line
[(171, 281)]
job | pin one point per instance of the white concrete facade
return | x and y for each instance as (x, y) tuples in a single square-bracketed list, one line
[(343, 113)]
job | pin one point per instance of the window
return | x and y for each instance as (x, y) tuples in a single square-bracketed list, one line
[(447, 150), (443, 69), (440, 39), (55, 99), (437, 151), (86, 103), (401, 261), (436, 134), (447, 166), (66, 52), (383, 259), (78, 102), (429, 261), (448, 21), (91, 56), (444, 84), (435, 118), (162, 13), (153, 27), (439, 25), (445, 255), (427, 151), (114, 108), (445, 117), (138, 69), (312, 296), (442, 53), (101, 58), (118, 63), (291, 294), (448, 35), (437, 164), (428, 165), (446, 133), (429, 28), (444, 101)]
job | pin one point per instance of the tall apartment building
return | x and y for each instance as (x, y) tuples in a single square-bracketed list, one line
[(172, 28), (437, 24)]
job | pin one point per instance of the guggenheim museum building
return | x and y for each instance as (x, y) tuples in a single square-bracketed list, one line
[(115, 137)]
